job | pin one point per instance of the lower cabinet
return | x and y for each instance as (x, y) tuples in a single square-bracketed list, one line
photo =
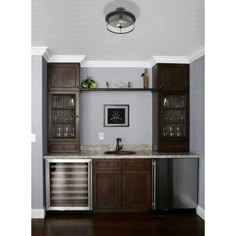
[(122, 185), (68, 184), (108, 194)]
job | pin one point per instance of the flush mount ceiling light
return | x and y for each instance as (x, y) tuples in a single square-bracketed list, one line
[(120, 21)]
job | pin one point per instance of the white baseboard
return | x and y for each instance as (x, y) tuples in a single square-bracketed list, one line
[(38, 213), (201, 212)]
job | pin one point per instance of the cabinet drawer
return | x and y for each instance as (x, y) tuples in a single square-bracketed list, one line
[(173, 147), (107, 165), (63, 147), (136, 165)]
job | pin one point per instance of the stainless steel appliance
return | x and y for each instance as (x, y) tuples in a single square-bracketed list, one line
[(68, 184), (174, 183)]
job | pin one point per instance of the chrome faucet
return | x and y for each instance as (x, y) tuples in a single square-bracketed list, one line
[(118, 147)]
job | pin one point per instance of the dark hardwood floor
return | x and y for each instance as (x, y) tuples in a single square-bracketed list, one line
[(119, 224)]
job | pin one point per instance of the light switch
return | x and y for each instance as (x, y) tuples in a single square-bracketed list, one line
[(33, 138)]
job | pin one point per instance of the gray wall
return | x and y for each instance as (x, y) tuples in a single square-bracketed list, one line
[(38, 118), (197, 77), (91, 107)]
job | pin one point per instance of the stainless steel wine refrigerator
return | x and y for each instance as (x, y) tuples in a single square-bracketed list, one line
[(68, 184)]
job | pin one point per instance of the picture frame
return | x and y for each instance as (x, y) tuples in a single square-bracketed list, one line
[(116, 115)]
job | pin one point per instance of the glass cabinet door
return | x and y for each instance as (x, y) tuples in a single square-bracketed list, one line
[(173, 115), (63, 116)]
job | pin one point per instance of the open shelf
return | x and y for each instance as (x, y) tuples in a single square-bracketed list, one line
[(116, 89)]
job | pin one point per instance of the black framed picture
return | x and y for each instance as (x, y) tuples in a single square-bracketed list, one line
[(116, 115)]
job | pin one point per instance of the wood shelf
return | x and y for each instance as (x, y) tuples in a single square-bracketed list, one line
[(115, 89)]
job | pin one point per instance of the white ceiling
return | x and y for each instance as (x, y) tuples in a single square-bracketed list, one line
[(77, 27)]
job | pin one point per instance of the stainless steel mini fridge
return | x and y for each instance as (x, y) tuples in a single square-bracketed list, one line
[(174, 183)]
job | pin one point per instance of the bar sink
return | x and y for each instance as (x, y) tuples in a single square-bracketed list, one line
[(120, 152)]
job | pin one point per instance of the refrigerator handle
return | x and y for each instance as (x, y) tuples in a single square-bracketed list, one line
[(153, 184)]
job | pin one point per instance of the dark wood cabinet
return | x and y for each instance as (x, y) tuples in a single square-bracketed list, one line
[(136, 180), (171, 108), (173, 76), (122, 185), (63, 108), (108, 195), (107, 184), (63, 76)]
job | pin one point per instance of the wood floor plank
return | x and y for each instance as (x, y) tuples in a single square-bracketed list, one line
[(119, 224)]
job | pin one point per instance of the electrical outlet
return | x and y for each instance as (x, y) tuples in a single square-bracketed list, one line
[(101, 135), (33, 138)]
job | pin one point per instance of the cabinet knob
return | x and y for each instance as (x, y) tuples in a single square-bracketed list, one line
[(77, 116)]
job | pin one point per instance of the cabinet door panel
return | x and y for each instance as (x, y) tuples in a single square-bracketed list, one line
[(173, 76), (63, 76), (137, 191), (107, 191)]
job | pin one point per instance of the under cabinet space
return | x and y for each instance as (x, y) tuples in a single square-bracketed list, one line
[(68, 184)]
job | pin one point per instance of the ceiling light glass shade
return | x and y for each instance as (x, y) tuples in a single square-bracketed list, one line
[(120, 21)]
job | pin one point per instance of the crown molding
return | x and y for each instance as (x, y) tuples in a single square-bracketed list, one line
[(170, 59), (130, 64), (46, 56), (194, 55), (66, 58), (38, 51), (50, 58), (152, 62)]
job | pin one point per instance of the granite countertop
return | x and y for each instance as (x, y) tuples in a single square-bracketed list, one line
[(97, 152)]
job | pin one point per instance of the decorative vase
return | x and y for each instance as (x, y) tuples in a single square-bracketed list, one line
[(145, 79)]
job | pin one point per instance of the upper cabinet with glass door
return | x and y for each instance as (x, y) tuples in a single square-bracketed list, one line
[(171, 108), (63, 116), (63, 108), (173, 115)]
